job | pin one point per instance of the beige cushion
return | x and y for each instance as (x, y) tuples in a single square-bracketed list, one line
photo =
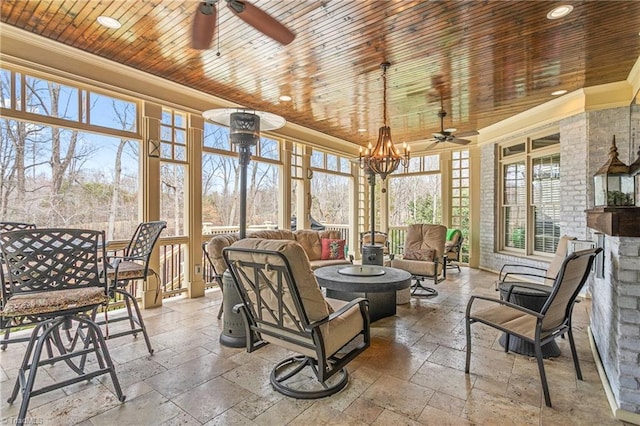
[(416, 267), (312, 298), (45, 302), (272, 234), (556, 262), (214, 248), (422, 236), (311, 241), (336, 333), (315, 264), (424, 255)]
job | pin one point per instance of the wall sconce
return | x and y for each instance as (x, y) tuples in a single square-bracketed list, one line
[(154, 148)]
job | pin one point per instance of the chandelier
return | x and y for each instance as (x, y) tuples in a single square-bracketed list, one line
[(384, 158)]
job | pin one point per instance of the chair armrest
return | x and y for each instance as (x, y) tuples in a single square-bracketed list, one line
[(357, 301), (502, 302), (515, 265), (524, 274)]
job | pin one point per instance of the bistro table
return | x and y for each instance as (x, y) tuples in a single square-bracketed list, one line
[(376, 283)]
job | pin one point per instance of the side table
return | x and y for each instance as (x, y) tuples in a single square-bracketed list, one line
[(530, 296)]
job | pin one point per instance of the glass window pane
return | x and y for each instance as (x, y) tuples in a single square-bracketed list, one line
[(216, 136), (172, 198), (317, 159), (545, 141), (332, 162), (220, 191), (329, 203), (180, 120), (345, 165), (513, 150), (167, 118), (113, 113), (180, 136), (415, 199), (52, 99), (99, 189), (515, 226), (269, 148), (5, 88)]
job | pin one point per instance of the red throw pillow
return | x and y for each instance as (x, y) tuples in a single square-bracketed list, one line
[(424, 255), (332, 249)]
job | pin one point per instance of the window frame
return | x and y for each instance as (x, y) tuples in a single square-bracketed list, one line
[(526, 156)]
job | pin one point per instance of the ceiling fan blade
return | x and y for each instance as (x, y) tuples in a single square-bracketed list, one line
[(261, 21), (469, 133), (431, 145), (459, 141), (204, 26)]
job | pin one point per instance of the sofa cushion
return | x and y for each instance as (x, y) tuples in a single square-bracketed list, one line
[(332, 249), (311, 241), (214, 248), (315, 264), (272, 234)]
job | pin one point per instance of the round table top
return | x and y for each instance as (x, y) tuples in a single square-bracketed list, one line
[(392, 279)]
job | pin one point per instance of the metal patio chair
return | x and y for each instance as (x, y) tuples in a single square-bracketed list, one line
[(54, 278), (282, 304), (133, 265), (537, 328)]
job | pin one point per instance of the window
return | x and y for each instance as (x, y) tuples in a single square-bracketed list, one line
[(460, 193), (530, 195), (220, 183), (62, 175)]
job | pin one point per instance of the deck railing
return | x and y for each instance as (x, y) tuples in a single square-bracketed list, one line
[(172, 256)]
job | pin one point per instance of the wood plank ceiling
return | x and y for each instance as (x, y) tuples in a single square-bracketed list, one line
[(488, 60)]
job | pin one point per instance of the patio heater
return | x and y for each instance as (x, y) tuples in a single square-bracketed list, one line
[(244, 134), (382, 160)]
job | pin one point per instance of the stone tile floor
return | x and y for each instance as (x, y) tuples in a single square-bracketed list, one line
[(413, 374)]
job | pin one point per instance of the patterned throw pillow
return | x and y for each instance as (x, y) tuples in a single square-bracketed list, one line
[(332, 249), (425, 255)]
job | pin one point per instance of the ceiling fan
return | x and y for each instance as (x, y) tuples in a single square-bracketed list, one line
[(446, 135), (204, 22)]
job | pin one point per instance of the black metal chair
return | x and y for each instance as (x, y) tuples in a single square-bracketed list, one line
[(54, 278), (537, 328), (133, 265), (7, 324), (283, 305)]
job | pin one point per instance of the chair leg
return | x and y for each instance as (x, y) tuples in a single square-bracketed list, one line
[(574, 353), (543, 376), (419, 290), (467, 363), (134, 317), (220, 311)]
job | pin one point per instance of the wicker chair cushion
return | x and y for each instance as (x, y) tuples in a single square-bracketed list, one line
[(47, 302)]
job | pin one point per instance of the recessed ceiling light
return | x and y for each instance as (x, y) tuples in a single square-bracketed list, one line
[(109, 22), (558, 92), (560, 11), (285, 98), (362, 130)]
